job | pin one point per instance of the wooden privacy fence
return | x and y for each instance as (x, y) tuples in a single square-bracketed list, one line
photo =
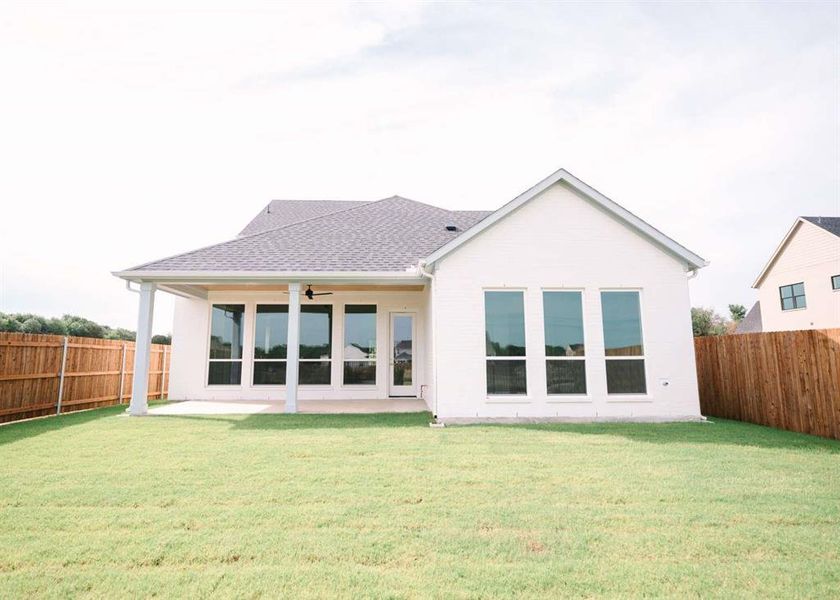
[(784, 379), (52, 374)]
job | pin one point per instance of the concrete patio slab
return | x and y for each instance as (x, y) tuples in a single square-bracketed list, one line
[(253, 407)]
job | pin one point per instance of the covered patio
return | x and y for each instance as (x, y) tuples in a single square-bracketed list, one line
[(273, 306)]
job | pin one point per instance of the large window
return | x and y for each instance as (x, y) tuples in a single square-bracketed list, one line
[(360, 344), (504, 326), (270, 343), (226, 344), (792, 296), (565, 368), (315, 344), (623, 346)]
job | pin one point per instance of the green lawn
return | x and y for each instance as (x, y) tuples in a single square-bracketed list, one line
[(100, 505)]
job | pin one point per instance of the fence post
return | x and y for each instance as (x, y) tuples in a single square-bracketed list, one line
[(163, 373), (122, 375), (61, 376)]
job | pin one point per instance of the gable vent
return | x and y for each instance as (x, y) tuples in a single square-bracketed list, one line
[(451, 228)]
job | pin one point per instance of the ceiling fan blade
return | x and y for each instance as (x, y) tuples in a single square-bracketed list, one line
[(322, 294)]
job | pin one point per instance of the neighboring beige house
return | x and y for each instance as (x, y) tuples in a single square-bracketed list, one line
[(799, 288), (560, 304)]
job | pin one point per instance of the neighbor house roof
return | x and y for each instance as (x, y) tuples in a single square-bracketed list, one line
[(377, 239), (830, 224), (751, 323)]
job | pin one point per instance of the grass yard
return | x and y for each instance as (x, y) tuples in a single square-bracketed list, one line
[(100, 505)]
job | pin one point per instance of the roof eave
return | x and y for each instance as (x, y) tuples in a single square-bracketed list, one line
[(210, 277), (776, 252)]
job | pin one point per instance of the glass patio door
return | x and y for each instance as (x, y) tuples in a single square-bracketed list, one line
[(402, 380)]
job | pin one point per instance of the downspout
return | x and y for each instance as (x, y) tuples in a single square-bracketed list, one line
[(692, 273), (424, 272)]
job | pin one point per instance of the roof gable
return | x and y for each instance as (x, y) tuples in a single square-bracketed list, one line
[(829, 224), (692, 260)]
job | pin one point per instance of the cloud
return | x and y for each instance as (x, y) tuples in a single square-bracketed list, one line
[(134, 134)]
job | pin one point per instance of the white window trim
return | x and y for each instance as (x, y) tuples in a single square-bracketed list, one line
[(240, 360), (507, 398), (318, 386), (793, 296), (627, 396), (564, 398), (344, 359), (254, 359)]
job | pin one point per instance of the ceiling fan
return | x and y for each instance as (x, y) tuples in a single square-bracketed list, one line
[(311, 295)]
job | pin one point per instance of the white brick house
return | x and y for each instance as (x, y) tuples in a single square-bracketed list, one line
[(561, 304)]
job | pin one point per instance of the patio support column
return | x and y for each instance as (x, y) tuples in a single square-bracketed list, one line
[(142, 350), (293, 348)]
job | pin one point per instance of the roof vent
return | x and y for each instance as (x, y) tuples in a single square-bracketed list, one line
[(451, 228)]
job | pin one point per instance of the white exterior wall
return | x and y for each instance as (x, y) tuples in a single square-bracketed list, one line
[(191, 339), (560, 240), (811, 256)]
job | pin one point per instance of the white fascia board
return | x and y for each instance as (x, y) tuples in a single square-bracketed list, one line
[(692, 260), (209, 277), (777, 251)]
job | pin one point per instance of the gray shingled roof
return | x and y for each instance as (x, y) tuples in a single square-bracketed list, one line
[(751, 323), (830, 224), (387, 235), (280, 213)]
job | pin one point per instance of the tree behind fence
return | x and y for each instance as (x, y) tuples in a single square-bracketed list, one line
[(97, 373), (784, 379)]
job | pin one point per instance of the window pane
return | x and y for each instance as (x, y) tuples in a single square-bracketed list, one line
[(315, 332), (787, 303), (563, 314), (224, 373), (314, 373), (359, 373), (835, 282), (504, 323), (270, 373), (359, 331), (799, 301), (786, 291), (626, 377), (622, 323), (506, 377), (271, 331), (799, 289), (566, 376), (226, 331)]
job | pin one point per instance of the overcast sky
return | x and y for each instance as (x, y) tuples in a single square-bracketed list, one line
[(131, 135)]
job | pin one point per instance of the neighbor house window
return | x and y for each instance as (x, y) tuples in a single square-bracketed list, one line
[(226, 344), (835, 282), (623, 348), (360, 344), (270, 336), (315, 344), (792, 296), (565, 369), (504, 327)]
